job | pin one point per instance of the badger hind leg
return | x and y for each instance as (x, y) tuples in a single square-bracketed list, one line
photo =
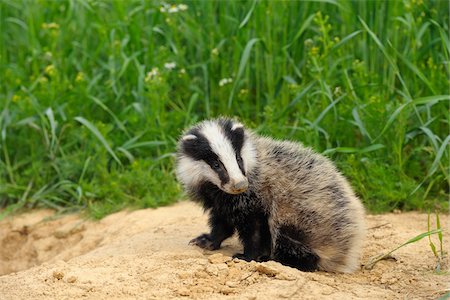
[(290, 249)]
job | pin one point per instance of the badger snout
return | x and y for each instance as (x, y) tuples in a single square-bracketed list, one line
[(240, 186)]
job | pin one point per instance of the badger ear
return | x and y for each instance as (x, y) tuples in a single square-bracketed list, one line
[(189, 137), (237, 126)]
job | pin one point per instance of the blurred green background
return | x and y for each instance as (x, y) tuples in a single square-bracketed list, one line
[(94, 94)]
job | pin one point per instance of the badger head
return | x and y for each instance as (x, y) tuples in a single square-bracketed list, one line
[(219, 151)]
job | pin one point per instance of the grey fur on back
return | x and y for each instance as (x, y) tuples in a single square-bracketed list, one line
[(304, 189)]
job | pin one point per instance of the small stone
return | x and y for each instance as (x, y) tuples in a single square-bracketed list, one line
[(183, 292), (201, 274), (222, 269), (71, 279), (58, 275), (226, 290), (219, 258), (184, 275), (212, 270), (231, 284), (393, 280), (267, 270)]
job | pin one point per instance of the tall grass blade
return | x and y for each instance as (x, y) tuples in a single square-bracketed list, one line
[(249, 14), (51, 118), (423, 100), (354, 150), (297, 98), (326, 110), (242, 65), (360, 124), (99, 136), (302, 29), (438, 157), (116, 119)]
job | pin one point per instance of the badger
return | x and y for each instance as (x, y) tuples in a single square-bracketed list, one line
[(286, 202)]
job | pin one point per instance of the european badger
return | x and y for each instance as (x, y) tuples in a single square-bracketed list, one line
[(286, 202)]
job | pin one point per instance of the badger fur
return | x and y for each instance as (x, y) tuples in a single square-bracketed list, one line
[(286, 202)]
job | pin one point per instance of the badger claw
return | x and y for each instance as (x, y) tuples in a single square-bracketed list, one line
[(242, 257), (204, 241), (260, 258)]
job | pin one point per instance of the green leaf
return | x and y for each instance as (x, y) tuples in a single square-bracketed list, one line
[(242, 64), (105, 108), (438, 157), (305, 25), (297, 98), (423, 100), (51, 118), (324, 112), (249, 14), (99, 136), (354, 150), (360, 124)]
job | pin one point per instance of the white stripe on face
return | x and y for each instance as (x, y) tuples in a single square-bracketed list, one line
[(222, 146), (192, 172)]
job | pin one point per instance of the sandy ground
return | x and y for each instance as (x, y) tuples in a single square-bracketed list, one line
[(145, 254)]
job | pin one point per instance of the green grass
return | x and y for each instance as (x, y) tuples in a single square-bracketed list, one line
[(90, 113)]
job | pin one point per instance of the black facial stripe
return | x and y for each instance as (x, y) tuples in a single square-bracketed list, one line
[(240, 163), (236, 138), (223, 174), (200, 149)]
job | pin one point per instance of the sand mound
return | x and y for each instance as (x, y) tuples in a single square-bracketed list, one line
[(145, 254)]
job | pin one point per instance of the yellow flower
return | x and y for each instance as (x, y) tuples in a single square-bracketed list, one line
[(50, 70), (50, 25), (15, 98), (80, 77), (43, 79), (314, 51)]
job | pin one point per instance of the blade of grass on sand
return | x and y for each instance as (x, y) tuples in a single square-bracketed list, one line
[(430, 242), (369, 265)]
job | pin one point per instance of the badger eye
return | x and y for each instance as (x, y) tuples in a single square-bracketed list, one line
[(238, 159), (216, 165)]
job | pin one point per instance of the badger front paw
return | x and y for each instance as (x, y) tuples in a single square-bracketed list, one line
[(260, 258), (242, 256), (204, 241)]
